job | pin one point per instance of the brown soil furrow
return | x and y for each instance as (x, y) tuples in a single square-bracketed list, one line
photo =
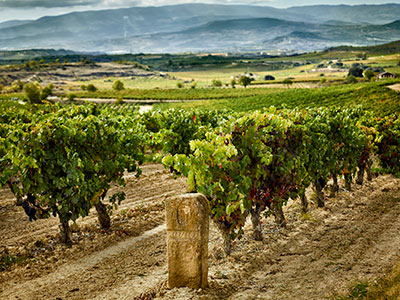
[(336, 249), (61, 282)]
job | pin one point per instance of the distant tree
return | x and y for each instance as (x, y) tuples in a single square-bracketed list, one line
[(216, 83), (32, 92), (269, 77), (398, 63), (287, 81), (34, 64), (355, 71), (379, 70), (193, 85), (41, 61), (57, 61), (369, 74), (244, 80), (351, 79), (83, 87), (1, 87), (91, 88), (118, 85), (179, 85), (323, 80), (233, 83), (363, 56)]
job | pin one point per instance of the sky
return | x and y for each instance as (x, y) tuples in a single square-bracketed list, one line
[(34, 9)]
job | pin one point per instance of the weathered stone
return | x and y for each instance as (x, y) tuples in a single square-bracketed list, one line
[(187, 218)]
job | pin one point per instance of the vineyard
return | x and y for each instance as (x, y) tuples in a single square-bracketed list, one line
[(62, 161)]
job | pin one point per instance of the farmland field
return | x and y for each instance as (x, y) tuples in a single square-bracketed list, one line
[(86, 150)]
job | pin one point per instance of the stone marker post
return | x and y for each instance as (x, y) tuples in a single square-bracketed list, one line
[(187, 218)]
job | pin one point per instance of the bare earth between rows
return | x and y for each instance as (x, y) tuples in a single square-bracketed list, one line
[(354, 238)]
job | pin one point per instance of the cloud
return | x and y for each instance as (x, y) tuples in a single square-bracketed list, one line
[(28, 4), (45, 3), (98, 4)]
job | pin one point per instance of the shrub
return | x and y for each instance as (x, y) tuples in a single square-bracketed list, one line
[(32, 92), (351, 79), (91, 88), (216, 83), (119, 101), (179, 85), (118, 85), (47, 91), (71, 97)]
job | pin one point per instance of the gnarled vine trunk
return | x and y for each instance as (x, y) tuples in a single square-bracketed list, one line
[(255, 219), (318, 193), (360, 174), (370, 174), (304, 202), (347, 180), (19, 199), (335, 186), (226, 236), (102, 214), (278, 214), (65, 231)]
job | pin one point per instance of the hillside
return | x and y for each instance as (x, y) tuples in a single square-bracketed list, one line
[(192, 27), (372, 14), (389, 48), (13, 23), (253, 34)]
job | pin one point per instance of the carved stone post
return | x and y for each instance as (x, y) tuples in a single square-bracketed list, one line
[(187, 218)]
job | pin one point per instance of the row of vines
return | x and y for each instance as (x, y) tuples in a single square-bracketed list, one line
[(62, 160)]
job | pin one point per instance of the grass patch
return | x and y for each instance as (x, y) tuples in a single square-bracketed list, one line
[(386, 288), (8, 260), (357, 291)]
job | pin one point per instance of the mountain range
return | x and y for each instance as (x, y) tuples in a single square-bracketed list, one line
[(207, 27)]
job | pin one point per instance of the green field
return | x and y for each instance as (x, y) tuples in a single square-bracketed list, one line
[(372, 96)]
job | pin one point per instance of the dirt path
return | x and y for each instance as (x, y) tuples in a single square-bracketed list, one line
[(395, 87), (354, 237)]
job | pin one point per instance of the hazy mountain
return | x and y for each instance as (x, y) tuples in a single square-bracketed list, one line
[(374, 14), (206, 27), (140, 20), (13, 23), (254, 34), (390, 48)]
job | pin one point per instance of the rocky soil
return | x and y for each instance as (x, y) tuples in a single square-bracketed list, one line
[(356, 237)]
